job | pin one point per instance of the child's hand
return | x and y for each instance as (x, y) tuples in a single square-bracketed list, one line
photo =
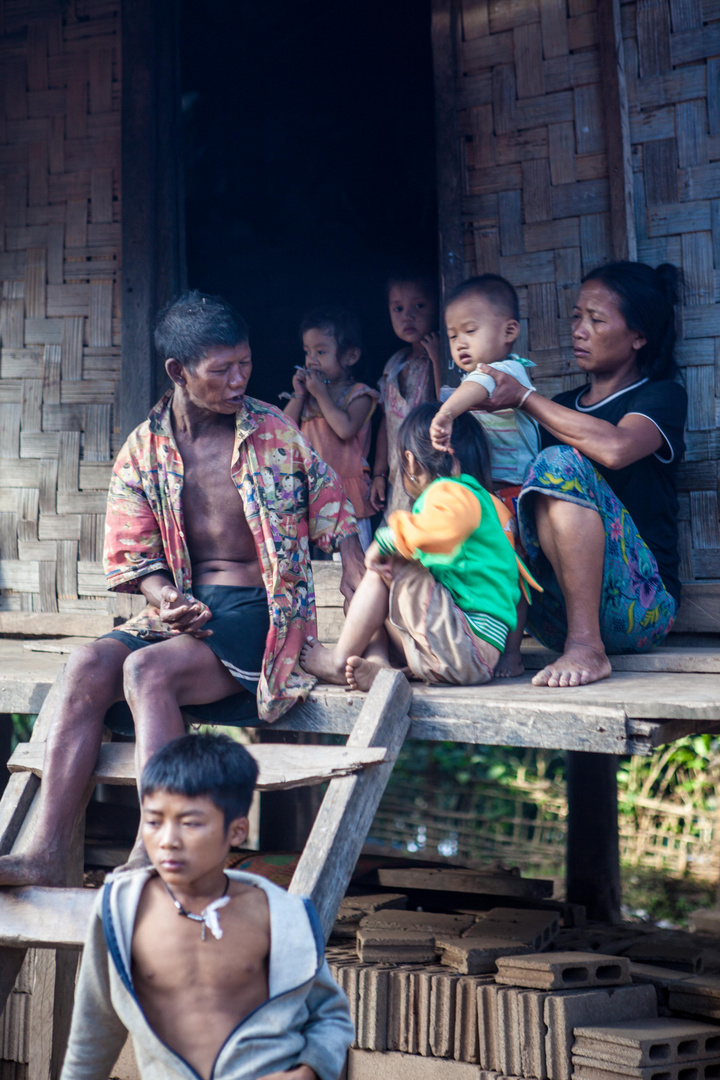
[(298, 383), (315, 384), (378, 492), (431, 342), (441, 430)]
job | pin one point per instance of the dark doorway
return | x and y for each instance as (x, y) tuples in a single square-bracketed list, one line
[(310, 163)]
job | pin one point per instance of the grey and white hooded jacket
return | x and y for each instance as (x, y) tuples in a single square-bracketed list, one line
[(305, 1020)]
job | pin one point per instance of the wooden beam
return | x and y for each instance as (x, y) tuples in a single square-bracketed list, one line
[(344, 819), (449, 166), (281, 766), (593, 854), (38, 917), (623, 242)]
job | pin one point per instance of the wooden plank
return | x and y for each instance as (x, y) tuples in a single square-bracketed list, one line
[(37, 917), (349, 806), (53, 623), (687, 46), (669, 658), (616, 122), (450, 879), (582, 197), (443, 35), (553, 26), (653, 34), (281, 766)]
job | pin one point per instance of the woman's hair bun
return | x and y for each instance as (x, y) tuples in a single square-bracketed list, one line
[(670, 281)]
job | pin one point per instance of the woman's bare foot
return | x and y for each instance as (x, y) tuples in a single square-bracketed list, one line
[(360, 674), (510, 665), (579, 665), (32, 869), (321, 662)]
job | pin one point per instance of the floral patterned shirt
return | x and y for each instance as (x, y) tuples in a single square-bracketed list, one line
[(290, 498)]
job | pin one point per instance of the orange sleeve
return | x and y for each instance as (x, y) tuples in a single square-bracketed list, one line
[(450, 514)]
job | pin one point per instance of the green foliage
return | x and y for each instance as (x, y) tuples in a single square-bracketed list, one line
[(22, 728)]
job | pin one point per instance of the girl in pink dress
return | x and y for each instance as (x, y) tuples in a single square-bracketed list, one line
[(333, 410), (411, 376)]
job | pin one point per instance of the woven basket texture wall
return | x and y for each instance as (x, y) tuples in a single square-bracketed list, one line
[(536, 205), (59, 313)]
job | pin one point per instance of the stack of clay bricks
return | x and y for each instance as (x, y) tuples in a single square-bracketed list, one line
[(660, 1049)]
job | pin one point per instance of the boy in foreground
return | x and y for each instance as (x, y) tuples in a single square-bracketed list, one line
[(212, 972)]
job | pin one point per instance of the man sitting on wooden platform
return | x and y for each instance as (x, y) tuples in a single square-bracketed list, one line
[(212, 505)]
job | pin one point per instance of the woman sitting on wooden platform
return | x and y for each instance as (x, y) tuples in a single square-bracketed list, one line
[(598, 510)]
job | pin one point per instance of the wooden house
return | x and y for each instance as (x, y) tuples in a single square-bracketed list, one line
[(569, 132)]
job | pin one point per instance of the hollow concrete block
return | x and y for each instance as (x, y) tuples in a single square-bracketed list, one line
[(508, 1032), (466, 1018), (652, 1041), (442, 1014), (563, 971), (476, 955), (372, 1009), (563, 1012), (395, 946), (366, 1065), (531, 1024), (424, 921), (687, 1070)]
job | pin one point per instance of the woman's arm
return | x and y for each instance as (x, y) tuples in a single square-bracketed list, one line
[(611, 445)]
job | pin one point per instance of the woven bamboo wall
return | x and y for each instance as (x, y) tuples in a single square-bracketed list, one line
[(59, 312), (536, 199)]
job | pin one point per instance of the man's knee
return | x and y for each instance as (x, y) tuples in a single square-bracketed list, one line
[(142, 669), (92, 662)]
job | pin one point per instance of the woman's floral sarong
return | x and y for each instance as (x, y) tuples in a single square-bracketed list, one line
[(636, 610)]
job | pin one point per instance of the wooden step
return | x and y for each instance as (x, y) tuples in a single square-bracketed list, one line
[(281, 766), (36, 917)]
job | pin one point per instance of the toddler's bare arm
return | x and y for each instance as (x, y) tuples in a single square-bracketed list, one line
[(469, 395)]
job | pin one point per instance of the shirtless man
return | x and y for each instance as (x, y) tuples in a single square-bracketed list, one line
[(194, 524), (214, 991)]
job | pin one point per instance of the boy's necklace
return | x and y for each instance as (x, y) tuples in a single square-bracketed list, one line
[(208, 916)]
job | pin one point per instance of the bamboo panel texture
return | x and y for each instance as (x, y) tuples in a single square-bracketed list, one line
[(532, 117), (59, 306)]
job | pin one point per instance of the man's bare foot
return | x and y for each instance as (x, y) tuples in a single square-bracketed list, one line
[(579, 665), (510, 665), (32, 869), (360, 674), (319, 661)]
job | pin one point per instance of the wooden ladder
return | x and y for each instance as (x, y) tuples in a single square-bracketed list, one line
[(57, 919)]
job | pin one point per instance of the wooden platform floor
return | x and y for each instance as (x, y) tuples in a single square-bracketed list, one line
[(632, 712)]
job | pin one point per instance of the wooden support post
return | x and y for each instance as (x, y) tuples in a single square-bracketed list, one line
[(593, 858), (6, 730), (350, 803), (617, 131), (449, 165)]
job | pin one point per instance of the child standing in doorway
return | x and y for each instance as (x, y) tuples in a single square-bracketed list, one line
[(411, 376), (442, 582), (332, 410), (482, 321)]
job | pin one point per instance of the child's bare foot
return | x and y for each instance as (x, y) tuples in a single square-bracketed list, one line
[(579, 665), (319, 661), (32, 869), (360, 674), (510, 665)]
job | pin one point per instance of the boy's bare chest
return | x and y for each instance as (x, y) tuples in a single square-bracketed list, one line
[(171, 959)]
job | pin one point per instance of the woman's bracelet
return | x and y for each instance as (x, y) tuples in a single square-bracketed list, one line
[(380, 475), (525, 396)]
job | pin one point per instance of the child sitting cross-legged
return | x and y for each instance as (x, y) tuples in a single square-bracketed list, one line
[(482, 322), (442, 581), (213, 972)]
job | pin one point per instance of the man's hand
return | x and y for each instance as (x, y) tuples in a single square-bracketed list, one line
[(378, 492), (301, 1072), (441, 431), (507, 393), (182, 615), (353, 565)]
